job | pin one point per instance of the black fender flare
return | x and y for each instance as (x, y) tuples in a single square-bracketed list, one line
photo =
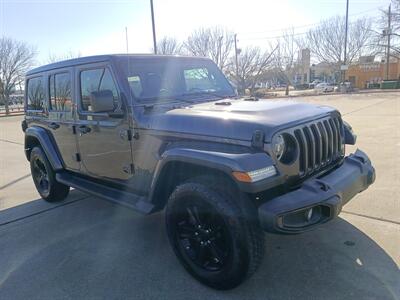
[(223, 162), (47, 145)]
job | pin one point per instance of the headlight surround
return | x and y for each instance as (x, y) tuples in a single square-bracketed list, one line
[(284, 147)]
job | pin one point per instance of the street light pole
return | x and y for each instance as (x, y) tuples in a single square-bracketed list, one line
[(236, 58), (345, 39), (154, 27)]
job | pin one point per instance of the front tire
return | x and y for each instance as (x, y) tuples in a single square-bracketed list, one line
[(212, 236), (44, 177)]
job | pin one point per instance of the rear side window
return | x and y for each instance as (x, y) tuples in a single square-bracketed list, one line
[(60, 92), (198, 79), (136, 85), (97, 80), (36, 94)]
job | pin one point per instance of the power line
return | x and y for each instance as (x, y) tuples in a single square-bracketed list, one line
[(304, 25), (273, 37)]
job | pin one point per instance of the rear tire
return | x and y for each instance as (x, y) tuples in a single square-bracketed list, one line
[(44, 177), (212, 235)]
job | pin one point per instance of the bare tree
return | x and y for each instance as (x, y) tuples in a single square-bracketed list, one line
[(326, 41), (169, 46), (52, 58), (16, 58), (252, 64), (285, 60), (215, 43)]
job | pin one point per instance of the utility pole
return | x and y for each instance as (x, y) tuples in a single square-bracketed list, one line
[(388, 45), (126, 38), (345, 40), (236, 58), (154, 27)]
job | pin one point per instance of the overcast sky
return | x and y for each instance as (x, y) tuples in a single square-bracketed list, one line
[(97, 27)]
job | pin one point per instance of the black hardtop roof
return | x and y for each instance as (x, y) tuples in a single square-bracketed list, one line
[(108, 57)]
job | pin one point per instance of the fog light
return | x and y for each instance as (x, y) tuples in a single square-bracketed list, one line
[(309, 214)]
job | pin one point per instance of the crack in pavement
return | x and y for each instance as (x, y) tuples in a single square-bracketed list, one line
[(11, 142), (15, 181), (42, 211), (371, 217), (368, 106)]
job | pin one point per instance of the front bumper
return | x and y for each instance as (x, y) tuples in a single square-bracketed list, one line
[(290, 213)]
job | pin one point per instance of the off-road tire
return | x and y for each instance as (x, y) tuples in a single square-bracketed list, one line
[(246, 237), (52, 191)]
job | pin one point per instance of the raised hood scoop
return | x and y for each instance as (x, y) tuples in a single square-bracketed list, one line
[(226, 103)]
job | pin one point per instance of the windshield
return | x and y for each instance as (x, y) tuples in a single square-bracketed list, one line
[(172, 79)]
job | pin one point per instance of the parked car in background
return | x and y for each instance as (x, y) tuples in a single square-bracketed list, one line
[(324, 87)]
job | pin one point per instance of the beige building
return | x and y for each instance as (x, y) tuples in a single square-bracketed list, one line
[(366, 72)]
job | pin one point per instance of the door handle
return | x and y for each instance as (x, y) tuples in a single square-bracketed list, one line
[(53, 125), (84, 129)]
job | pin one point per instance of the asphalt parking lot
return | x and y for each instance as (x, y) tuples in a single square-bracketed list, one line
[(88, 248)]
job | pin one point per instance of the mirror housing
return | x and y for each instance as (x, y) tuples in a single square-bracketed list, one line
[(102, 101)]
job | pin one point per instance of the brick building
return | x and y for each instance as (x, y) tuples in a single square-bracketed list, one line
[(366, 72)]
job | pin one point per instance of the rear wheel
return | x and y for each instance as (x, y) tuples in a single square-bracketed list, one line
[(44, 177), (211, 236)]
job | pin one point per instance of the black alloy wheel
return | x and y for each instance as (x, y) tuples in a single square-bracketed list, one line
[(44, 177), (203, 236), (40, 176), (213, 236)]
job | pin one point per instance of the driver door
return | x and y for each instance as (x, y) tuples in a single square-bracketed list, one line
[(103, 143)]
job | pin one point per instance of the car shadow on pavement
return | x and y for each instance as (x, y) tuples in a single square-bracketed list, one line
[(92, 249)]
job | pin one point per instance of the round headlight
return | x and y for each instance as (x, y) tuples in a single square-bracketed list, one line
[(278, 146), (284, 148)]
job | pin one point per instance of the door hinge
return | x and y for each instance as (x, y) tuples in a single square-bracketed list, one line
[(77, 157), (129, 133), (126, 134), (129, 169)]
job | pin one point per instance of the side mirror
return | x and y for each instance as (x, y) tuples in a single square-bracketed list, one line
[(102, 101)]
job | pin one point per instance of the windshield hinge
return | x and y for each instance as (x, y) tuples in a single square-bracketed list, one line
[(257, 141), (129, 169)]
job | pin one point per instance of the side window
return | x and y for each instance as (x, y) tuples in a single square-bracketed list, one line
[(96, 80), (136, 85), (60, 92), (198, 79), (35, 94)]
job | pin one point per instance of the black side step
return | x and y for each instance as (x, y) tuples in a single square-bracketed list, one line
[(127, 199)]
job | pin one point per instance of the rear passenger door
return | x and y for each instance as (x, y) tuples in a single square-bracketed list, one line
[(103, 138), (61, 119)]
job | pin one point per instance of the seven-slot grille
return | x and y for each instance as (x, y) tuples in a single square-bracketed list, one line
[(320, 144)]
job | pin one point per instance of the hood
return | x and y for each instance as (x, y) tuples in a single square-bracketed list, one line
[(236, 118)]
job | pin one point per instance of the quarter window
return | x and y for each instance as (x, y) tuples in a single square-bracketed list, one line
[(36, 94), (198, 79), (97, 80), (60, 92)]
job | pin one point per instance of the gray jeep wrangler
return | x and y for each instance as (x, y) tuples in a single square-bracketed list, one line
[(165, 132)]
